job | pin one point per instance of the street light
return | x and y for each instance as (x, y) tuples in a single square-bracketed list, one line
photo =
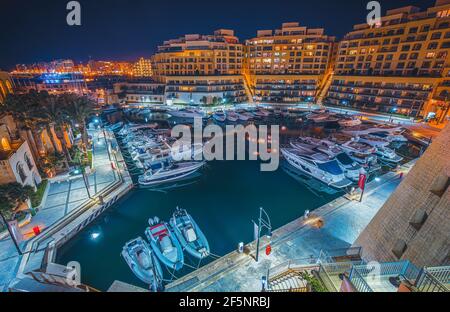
[(262, 223)]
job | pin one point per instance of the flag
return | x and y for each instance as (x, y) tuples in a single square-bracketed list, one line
[(362, 181)]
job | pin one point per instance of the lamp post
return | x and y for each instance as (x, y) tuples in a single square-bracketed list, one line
[(16, 244), (262, 223)]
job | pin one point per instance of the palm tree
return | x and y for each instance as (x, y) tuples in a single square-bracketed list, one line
[(56, 114), (12, 195), (79, 108)]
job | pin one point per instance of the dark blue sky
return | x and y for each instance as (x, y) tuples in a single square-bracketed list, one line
[(36, 30)]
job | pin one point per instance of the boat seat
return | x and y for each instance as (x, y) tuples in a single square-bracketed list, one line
[(190, 234), (166, 245), (143, 260)]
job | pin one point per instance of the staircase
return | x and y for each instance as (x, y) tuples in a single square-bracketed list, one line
[(288, 281), (323, 91)]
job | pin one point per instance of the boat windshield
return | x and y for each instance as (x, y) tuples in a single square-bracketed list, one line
[(344, 159), (330, 167)]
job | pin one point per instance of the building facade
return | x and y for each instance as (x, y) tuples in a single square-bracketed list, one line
[(6, 86), (395, 66), (414, 223), (16, 159), (201, 69), (140, 92), (288, 64)]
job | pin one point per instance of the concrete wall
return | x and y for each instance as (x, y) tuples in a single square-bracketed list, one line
[(414, 223)]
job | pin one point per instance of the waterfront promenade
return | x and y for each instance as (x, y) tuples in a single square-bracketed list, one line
[(63, 197), (343, 221)]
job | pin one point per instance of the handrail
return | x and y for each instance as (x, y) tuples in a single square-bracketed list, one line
[(358, 281)]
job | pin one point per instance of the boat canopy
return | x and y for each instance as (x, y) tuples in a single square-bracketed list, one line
[(344, 159), (331, 167)]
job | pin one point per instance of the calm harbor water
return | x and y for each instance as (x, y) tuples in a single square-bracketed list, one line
[(223, 201), (223, 198)]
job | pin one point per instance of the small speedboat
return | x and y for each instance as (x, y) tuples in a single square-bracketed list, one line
[(139, 257), (189, 234), (164, 243), (219, 116), (169, 172), (388, 154), (350, 122), (232, 116)]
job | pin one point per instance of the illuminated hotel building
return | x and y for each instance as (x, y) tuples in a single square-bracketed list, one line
[(397, 66), (288, 64), (201, 69)]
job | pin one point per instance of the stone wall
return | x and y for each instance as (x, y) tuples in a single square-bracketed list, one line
[(414, 223)]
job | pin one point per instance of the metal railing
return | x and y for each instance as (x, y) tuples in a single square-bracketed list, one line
[(358, 281), (434, 280)]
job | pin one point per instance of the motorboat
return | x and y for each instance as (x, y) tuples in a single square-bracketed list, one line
[(140, 258), (318, 117), (165, 245), (189, 234), (360, 152), (369, 128), (243, 116), (395, 137), (317, 165), (188, 113), (242, 113), (261, 113), (232, 116), (388, 155), (350, 122), (351, 168), (168, 172), (373, 140), (219, 116)]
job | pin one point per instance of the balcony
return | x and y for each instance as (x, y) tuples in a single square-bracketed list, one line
[(383, 277), (434, 280)]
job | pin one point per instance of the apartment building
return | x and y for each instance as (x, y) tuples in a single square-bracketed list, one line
[(397, 65), (288, 64), (201, 69)]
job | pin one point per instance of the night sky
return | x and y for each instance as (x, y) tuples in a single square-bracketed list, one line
[(36, 30)]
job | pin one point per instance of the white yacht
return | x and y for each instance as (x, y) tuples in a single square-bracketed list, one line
[(350, 167), (373, 140), (360, 152), (187, 113), (219, 116), (317, 165), (232, 116), (169, 172), (388, 155), (243, 115), (391, 137), (350, 122)]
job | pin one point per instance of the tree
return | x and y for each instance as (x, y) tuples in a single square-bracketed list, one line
[(56, 115), (79, 109), (12, 195)]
